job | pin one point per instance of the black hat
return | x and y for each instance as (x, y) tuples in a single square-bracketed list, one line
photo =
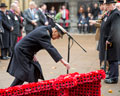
[(60, 29), (3, 5), (101, 1), (109, 1)]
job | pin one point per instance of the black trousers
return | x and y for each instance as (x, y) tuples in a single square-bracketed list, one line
[(28, 31), (13, 43), (18, 82), (113, 70), (4, 52)]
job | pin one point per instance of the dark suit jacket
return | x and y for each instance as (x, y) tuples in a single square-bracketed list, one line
[(28, 18), (15, 23), (21, 64), (42, 18)]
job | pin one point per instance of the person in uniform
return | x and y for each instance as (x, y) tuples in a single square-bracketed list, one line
[(22, 65), (112, 41)]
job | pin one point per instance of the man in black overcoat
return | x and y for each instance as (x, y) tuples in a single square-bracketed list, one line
[(112, 39), (7, 31), (15, 24), (1, 32), (22, 66)]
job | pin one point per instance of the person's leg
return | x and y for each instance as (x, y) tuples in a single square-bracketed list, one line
[(113, 72), (14, 41), (79, 28), (28, 31), (82, 28), (4, 54), (9, 52), (85, 28), (16, 82)]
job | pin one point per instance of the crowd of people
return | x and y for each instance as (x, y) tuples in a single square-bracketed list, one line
[(14, 22), (85, 15), (11, 28)]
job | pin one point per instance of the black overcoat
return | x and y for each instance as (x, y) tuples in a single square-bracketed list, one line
[(112, 34), (21, 64), (1, 32), (15, 23), (7, 27), (102, 40)]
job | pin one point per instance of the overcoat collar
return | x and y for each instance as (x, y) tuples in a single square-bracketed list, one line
[(113, 10)]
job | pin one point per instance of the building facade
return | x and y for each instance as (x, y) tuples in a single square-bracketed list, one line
[(23, 3)]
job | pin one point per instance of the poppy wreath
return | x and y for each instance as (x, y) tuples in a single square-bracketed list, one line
[(73, 84)]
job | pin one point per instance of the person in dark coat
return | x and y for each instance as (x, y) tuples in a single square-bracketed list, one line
[(16, 26), (95, 11), (42, 17), (22, 66), (111, 39), (7, 31), (1, 32)]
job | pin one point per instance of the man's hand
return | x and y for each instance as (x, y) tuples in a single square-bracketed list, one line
[(66, 64), (92, 21), (34, 58), (11, 29), (107, 42), (46, 23), (34, 22)]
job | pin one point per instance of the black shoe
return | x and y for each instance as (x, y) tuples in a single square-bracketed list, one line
[(111, 81), (4, 58)]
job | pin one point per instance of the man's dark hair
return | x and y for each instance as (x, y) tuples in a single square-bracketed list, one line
[(42, 4)]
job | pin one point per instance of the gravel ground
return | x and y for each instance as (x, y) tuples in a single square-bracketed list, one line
[(79, 60)]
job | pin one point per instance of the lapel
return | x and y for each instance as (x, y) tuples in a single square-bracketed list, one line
[(29, 13), (40, 12)]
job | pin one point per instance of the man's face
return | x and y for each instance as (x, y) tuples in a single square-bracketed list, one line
[(110, 7), (118, 6), (102, 7), (44, 7), (32, 6), (95, 5), (3, 9), (55, 34)]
